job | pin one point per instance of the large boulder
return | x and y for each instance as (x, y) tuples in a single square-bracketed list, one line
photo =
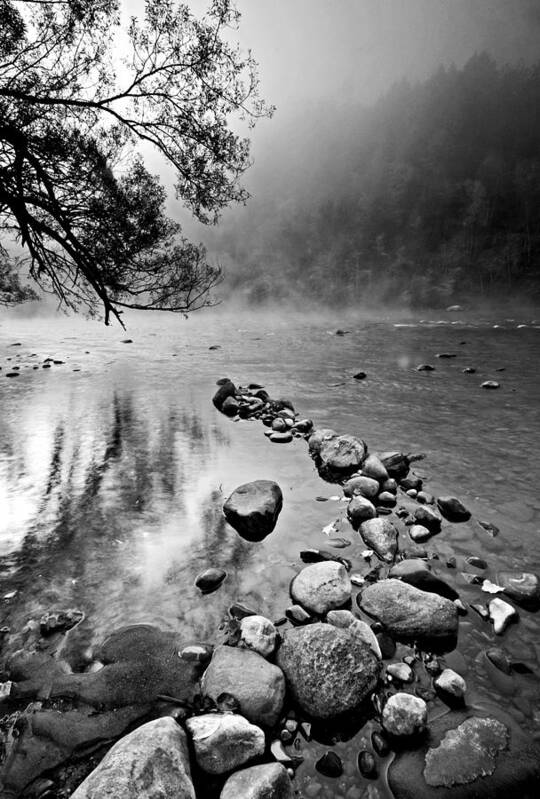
[(322, 586), (381, 536), (224, 741), (259, 686), (268, 781), (329, 671), (253, 509), (150, 762), (468, 754), (409, 613)]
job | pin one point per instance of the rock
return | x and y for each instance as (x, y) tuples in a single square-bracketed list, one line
[(367, 765), (344, 619), (373, 467), (490, 384), (329, 671), (411, 482), (318, 438), (451, 684), (445, 355), (469, 370), (381, 536), (240, 611), (268, 781), (297, 615), (425, 367), (428, 518), (522, 587), (340, 456), (224, 741), (230, 406), (360, 510), (360, 376), (501, 614), (386, 499), (259, 634), (225, 390), (466, 754), (364, 486), (321, 587), (416, 572), (210, 580), (400, 671), (500, 659), (404, 715), (380, 744), (452, 509), (419, 533), (406, 612), (253, 509), (396, 464), (387, 645), (424, 498), (151, 761), (478, 563), (279, 425), (303, 426), (198, 652), (258, 685), (330, 765), (281, 438), (62, 621)]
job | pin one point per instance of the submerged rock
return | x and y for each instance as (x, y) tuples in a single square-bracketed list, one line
[(453, 509), (258, 685), (416, 571), (151, 761), (253, 509), (268, 781), (381, 536), (408, 612), (321, 587), (224, 741), (210, 580), (329, 671), (522, 587)]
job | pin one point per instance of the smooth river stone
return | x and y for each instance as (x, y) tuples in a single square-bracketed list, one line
[(259, 686), (224, 741), (501, 614), (381, 536), (341, 456), (453, 509), (321, 587), (365, 486), (409, 613), (268, 781), (329, 671), (253, 509), (360, 510), (375, 468)]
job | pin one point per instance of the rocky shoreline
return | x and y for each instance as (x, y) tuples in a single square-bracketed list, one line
[(364, 643)]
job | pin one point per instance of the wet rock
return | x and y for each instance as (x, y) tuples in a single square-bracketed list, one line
[(329, 671), (428, 518), (230, 406), (387, 645), (259, 634), (481, 610), (279, 425), (478, 563), (522, 587), (360, 376), (469, 370), (424, 498), (390, 485), (411, 482), (297, 615), (303, 426), (363, 486), (490, 384), (340, 456), (344, 619), (404, 715), (416, 572), (400, 672), (445, 355), (381, 536), (258, 685), (408, 612), (396, 464), (281, 438), (425, 367), (151, 761), (199, 652), (380, 744), (268, 781), (253, 509), (210, 580), (226, 389), (12, 374), (453, 509), (373, 467), (360, 510), (367, 765), (330, 765), (451, 684), (386, 499), (501, 614), (419, 533), (222, 742), (321, 587), (499, 659), (468, 755), (240, 611)]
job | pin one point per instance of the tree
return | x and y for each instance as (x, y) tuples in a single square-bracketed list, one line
[(73, 117)]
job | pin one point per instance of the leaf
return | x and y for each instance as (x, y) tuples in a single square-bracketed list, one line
[(329, 529), (491, 588), (367, 554)]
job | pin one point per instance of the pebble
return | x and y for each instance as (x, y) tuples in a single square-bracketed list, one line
[(490, 384), (360, 376), (380, 744), (425, 367), (501, 614), (210, 580), (330, 765), (281, 438), (419, 533), (469, 370), (451, 683), (400, 672), (367, 765), (478, 563)]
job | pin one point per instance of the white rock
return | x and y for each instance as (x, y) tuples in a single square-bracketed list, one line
[(321, 587), (404, 714), (223, 742), (452, 683), (259, 634), (501, 613), (400, 671)]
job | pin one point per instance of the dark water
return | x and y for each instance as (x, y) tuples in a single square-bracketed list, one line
[(112, 477)]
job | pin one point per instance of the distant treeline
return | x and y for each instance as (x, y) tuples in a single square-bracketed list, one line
[(434, 200)]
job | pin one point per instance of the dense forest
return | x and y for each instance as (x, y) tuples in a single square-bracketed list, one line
[(432, 196)]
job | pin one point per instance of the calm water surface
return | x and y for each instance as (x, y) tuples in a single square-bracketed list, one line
[(114, 464)]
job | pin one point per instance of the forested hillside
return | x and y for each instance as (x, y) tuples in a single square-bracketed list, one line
[(431, 197)]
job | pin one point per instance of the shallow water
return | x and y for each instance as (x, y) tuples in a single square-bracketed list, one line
[(114, 466)]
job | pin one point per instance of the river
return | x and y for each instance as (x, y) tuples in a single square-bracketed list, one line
[(114, 464)]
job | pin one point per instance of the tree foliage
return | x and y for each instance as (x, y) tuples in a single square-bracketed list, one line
[(74, 113)]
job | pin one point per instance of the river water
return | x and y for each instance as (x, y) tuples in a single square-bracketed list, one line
[(114, 465)]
